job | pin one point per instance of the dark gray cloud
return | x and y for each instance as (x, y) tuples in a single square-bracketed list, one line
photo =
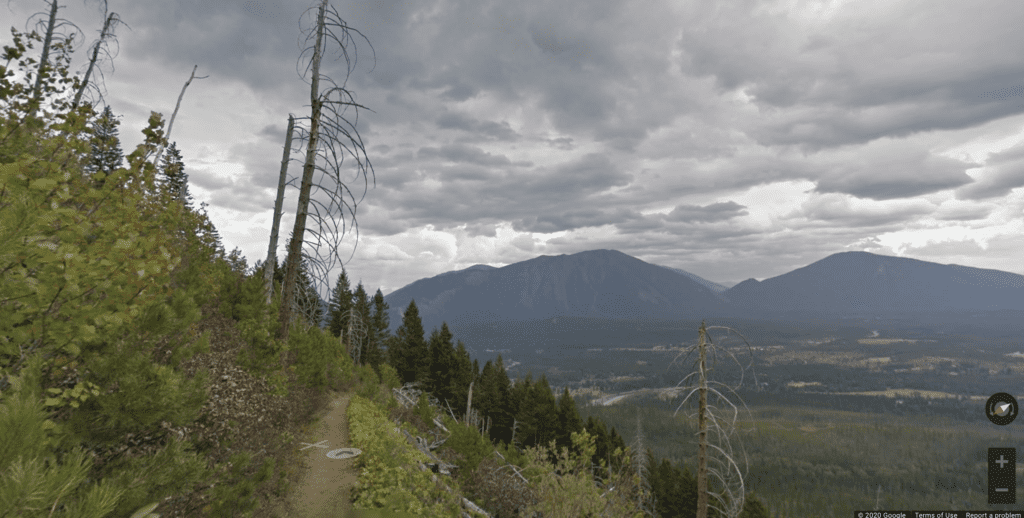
[(733, 139)]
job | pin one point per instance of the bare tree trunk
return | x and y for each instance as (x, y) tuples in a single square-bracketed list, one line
[(44, 62), (271, 263), (351, 315), (295, 246), (702, 427), (469, 402), (92, 61), (170, 124)]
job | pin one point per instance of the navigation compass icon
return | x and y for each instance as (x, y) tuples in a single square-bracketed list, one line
[(1001, 408)]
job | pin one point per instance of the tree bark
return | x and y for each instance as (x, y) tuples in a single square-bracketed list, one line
[(44, 61), (702, 427), (295, 246), (271, 263), (170, 124)]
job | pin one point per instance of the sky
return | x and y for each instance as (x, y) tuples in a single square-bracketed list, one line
[(731, 139)]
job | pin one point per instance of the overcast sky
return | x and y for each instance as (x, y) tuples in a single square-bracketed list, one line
[(731, 139)]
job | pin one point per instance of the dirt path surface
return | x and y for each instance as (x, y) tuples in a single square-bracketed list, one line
[(326, 483)]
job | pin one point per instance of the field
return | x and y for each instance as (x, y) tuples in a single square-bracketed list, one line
[(854, 418)]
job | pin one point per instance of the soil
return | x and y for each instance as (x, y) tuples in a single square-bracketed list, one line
[(325, 486)]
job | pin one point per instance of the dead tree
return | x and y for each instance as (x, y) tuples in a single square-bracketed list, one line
[(723, 465), (333, 127), (271, 263), (170, 124), (356, 336), (110, 20), (46, 67)]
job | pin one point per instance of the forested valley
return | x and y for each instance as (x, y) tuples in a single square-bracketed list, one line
[(141, 370)]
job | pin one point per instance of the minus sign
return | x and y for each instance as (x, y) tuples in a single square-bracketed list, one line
[(1001, 490)]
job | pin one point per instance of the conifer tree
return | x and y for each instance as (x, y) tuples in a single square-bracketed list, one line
[(443, 364), (361, 310), (543, 411), (341, 301), (174, 179), (569, 420), (107, 156), (407, 352), (379, 334), (461, 377)]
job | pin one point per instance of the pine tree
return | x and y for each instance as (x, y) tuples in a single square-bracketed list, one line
[(379, 335), (461, 377), (543, 411), (443, 364), (569, 421), (307, 300), (361, 309), (407, 352), (106, 148), (341, 301), (174, 180)]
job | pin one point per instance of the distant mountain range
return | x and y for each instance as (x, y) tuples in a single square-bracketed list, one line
[(613, 285)]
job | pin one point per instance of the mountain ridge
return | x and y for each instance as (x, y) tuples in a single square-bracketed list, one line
[(614, 285)]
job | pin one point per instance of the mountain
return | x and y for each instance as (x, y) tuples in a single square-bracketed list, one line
[(864, 283), (596, 283), (713, 286), (610, 284)]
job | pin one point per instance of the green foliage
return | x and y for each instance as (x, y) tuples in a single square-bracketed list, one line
[(174, 178), (263, 352), (423, 409), (34, 474), (407, 351), (443, 364), (573, 493), (386, 481), (319, 358), (236, 495), (338, 307), (389, 377), (467, 442), (370, 387)]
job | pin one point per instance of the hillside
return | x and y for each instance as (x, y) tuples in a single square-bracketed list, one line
[(611, 285)]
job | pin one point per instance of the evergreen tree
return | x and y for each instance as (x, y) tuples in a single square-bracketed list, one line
[(543, 411), (520, 398), (341, 301), (174, 180), (503, 417), (379, 324), (443, 364), (569, 421), (361, 306), (407, 352), (306, 298), (460, 378), (106, 147)]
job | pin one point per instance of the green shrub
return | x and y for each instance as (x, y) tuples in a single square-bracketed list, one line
[(370, 388), (467, 442), (385, 480), (423, 408), (389, 376), (262, 352)]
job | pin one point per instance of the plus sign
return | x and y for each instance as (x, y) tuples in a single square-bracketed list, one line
[(1001, 461)]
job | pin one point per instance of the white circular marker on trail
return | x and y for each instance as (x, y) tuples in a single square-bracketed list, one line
[(344, 453)]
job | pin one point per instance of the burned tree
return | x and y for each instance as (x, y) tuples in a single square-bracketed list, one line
[(329, 22), (733, 494)]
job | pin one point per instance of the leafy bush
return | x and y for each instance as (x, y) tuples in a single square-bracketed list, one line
[(467, 442), (387, 479), (370, 388), (389, 376)]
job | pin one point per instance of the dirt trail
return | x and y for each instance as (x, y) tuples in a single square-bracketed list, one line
[(326, 483)]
